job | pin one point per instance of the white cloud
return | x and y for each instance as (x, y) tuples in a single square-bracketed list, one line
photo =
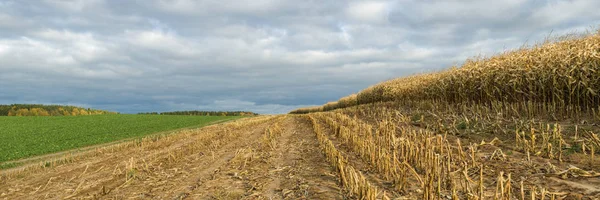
[(460, 11), (75, 5), (369, 11), (191, 7), (3, 49), (27, 52), (84, 47), (161, 41), (7, 20), (61, 53), (410, 51), (557, 12)]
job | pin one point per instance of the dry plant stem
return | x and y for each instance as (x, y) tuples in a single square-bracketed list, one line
[(592, 152), (522, 191), (481, 181)]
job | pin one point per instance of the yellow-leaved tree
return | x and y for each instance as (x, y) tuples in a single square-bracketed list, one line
[(23, 112), (83, 112)]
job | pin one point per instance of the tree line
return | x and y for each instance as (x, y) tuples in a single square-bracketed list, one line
[(47, 110), (203, 113)]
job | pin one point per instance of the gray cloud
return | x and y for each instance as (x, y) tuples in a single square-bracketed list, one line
[(267, 56)]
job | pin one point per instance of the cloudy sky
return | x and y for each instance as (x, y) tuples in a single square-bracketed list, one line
[(266, 56)]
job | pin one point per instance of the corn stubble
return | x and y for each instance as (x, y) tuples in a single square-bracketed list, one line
[(438, 168), (423, 165), (351, 179)]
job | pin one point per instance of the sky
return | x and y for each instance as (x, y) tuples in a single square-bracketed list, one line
[(265, 56)]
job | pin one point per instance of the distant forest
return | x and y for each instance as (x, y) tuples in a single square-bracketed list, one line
[(47, 110), (204, 113)]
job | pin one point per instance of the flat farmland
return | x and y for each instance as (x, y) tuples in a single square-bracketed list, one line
[(23, 137)]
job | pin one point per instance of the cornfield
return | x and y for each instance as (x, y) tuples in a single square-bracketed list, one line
[(562, 75)]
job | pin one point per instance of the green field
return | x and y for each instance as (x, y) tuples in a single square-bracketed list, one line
[(22, 137)]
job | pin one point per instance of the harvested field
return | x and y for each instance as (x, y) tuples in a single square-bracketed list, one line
[(334, 155), (254, 158)]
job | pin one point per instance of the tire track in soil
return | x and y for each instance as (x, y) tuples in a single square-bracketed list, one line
[(192, 171), (198, 169), (305, 173), (224, 180), (294, 169)]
